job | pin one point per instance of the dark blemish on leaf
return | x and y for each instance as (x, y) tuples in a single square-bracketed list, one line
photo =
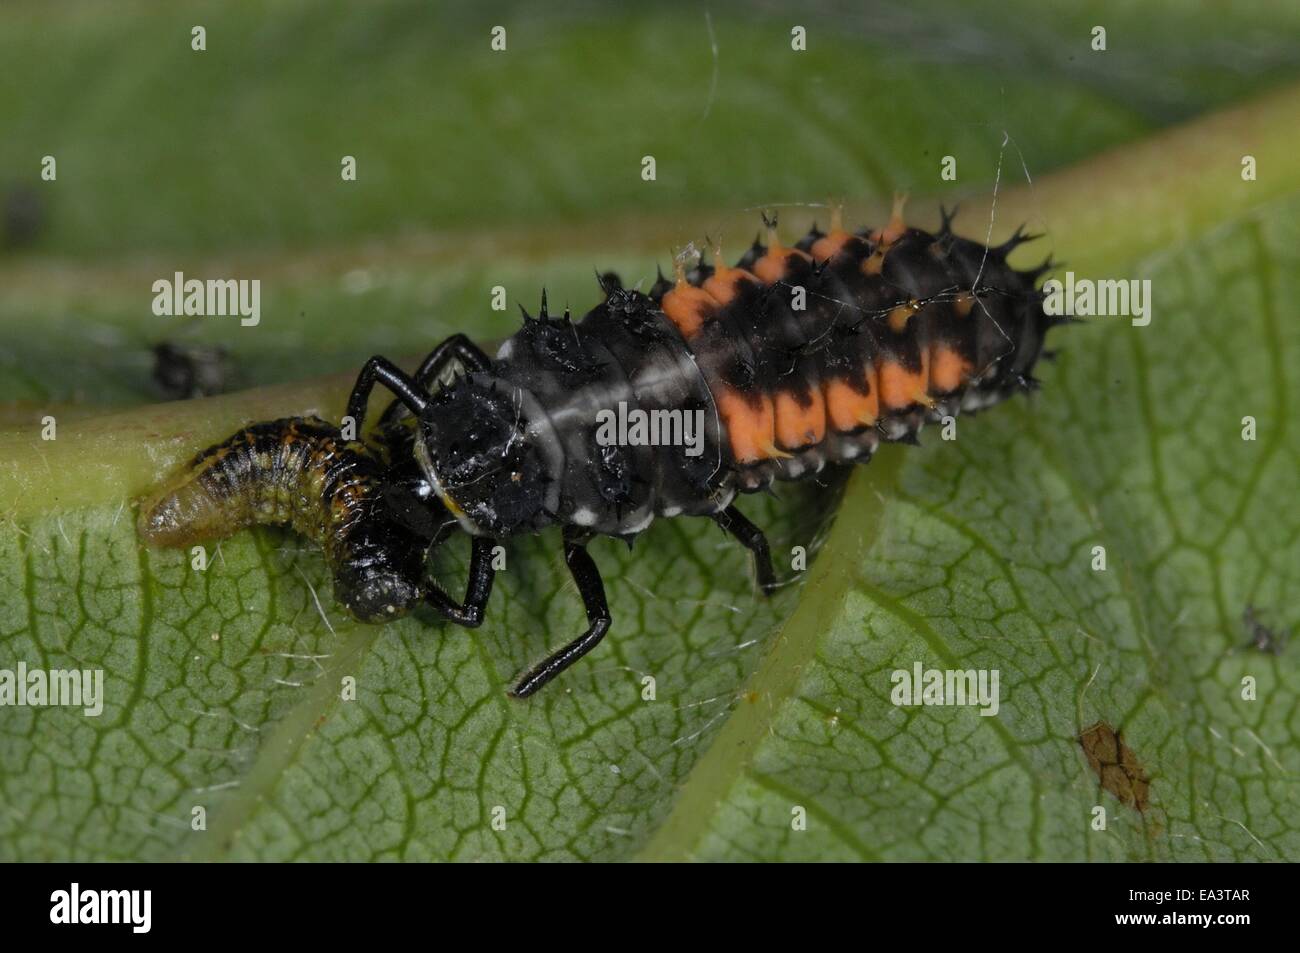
[(1262, 638), (1116, 765), (183, 371), (22, 216)]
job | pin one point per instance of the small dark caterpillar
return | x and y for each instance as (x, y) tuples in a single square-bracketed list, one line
[(793, 359), (368, 509)]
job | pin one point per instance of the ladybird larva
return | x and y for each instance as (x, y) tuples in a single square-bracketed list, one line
[(793, 359)]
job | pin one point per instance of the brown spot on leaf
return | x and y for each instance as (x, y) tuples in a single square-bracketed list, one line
[(1116, 765)]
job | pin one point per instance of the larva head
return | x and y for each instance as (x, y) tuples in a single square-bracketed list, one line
[(373, 594), (377, 576), (486, 449)]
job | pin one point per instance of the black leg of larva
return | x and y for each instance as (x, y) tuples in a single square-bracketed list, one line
[(592, 590), (456, 348), (380, 370), (470, 612), (751, 537)]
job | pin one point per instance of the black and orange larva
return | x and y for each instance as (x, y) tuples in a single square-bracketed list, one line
[(898, 326)]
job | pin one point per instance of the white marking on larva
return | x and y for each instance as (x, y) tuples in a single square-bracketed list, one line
[(894, 429), (850, 450), (649, 518), (583, 517), (671, 511), (503, 352)]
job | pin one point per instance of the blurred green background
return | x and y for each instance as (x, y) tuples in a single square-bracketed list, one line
[(519, 168)]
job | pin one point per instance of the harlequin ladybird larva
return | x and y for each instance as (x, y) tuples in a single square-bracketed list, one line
[(794, 358), (368, 508)]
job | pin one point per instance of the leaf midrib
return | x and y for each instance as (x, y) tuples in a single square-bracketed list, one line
[(792, 648)]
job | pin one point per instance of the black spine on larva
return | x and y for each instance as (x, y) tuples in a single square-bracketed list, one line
[(300, 472)]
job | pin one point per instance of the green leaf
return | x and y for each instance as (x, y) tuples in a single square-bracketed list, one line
[(975, 553)]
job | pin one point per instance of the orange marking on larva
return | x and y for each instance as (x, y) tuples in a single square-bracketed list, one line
[(899, 387), (775, 265), (799, 425), (948, 370), (846, 408), (872, 412), (962, 304), (725, 281), (894, 230), (874, 263), (899, 316), (833, 242), (830, 244), (751, 425), (687, 307)]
